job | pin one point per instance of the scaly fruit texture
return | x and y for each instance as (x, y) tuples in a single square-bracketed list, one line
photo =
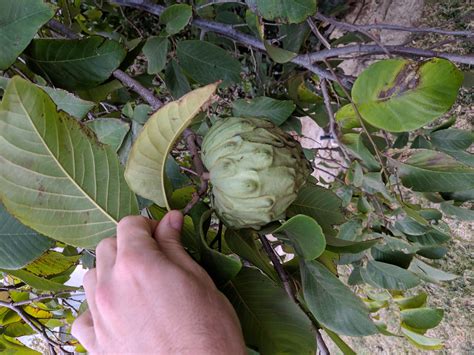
[(255, 170)]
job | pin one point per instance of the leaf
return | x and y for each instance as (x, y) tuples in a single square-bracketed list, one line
[(110, 131), (401, 95), (276, 111), (271, 322), (39, 283), (155, 51), (333, 304), (304, 234), (337, 245), (353, 141), (242, 243), (75, 64), (52, 263), (19, 22), (422, 318), (422, 341), (429, 273), (286, 11), (341, 344), (147, 160), (463, 214), (206, 63), (319, 203), (19, 245), (175, 80), (278, 54), (388, 276), (431, 171), (176, 17), (452, 139), (55, 177), (416, 301)]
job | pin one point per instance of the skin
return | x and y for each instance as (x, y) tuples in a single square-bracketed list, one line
[(148, 296)]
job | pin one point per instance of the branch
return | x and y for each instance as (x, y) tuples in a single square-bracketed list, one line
[(392, 27)]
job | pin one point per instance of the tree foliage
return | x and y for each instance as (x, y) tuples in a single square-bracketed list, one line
[(104, 105)]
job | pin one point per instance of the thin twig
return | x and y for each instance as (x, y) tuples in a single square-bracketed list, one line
[(391, 27), (318, 34)]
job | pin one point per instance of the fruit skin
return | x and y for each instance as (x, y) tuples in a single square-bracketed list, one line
[(255, 169)]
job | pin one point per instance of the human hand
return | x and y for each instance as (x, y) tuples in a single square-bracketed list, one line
[(148, 296)]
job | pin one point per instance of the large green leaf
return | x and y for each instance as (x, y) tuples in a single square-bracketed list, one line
[(147, 160), (388, 276), (274, 110), (55, 176), (452, 139), (155, 50), (321, 204), (402, 95), (422, 318), (431, 171), (271, 322), (19, 245), (304, 234), (463, 214), (206, 63), (429, 273), (19, 22), (333, 304), (176, 17), (287, 11), (75, 64)]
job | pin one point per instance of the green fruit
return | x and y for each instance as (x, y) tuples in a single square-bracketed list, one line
[(255, 170)]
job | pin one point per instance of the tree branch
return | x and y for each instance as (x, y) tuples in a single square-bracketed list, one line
[(391, 27)]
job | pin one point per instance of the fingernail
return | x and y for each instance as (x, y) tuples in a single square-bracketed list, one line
[(175, 220)]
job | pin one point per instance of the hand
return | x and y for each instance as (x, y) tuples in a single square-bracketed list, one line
[(148, 296)]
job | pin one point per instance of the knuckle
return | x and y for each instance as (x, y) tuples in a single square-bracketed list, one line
[(105, 244), (128, 221), (130, 260), (103, 297)]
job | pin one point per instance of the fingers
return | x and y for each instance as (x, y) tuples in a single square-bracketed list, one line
[(90, 285), (83, 330), (106, 253), (168, 236), (134, 235)]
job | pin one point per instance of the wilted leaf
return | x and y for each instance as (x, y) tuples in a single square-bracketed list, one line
[(304, 234), (19, 245), (54, 175), (75, 64), (402, 95), (19, 22), (431, 171), (276, 111), (206, 63), (147, 160), (271, 322)]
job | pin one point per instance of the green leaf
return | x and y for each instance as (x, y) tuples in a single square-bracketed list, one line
[(416, 301), (175, 80), (353, 141), (432, 237), (155, 51), (206, 63), (19, 22), (75, 64), (242, 242), (319, 203), (147, 160), (19, 245), (422, 318), (39, 283), (52, 263), (286, 11), (176, 17), (388, 276), (463, 214), (279, 55), (333, 304), (421, 341), (276, 111), (341, 344), (110, 131), (431, 171), (55, 177), (402, 95), (429, 273), (14, 347), (337, 245), (452, 139), (304, 234), (271, 322)]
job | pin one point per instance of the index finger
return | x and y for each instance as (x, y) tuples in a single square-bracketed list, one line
[(135, 234)]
